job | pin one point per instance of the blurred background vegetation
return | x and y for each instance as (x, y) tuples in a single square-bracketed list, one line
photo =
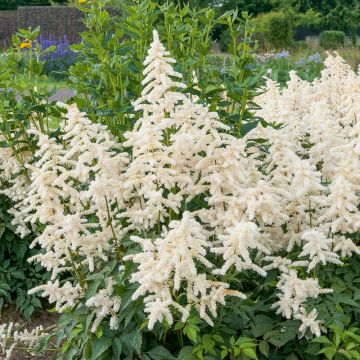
[(343, 15), (292, 17), (281, 28)]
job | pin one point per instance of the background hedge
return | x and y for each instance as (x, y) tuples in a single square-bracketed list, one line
[(332, 39)]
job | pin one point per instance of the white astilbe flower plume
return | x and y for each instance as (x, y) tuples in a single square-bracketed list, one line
[(294, 292), (43, 202), (105, 304), (149, 172), (197, 203), (315, 158), (172, 259), (345, 246), (75, 194), (64, 297), (284, 265), (318, 248), (15, 184), (236, 248), (309, 321), (13, 335)]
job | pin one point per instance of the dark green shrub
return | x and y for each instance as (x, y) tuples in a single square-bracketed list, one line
[(277, 28), (17, 275), (332, 39), (224, 40)]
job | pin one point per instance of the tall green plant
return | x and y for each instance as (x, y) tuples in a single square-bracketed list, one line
[(25, 96), (107, 76)]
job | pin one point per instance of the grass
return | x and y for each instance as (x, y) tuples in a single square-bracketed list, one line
[(59, 84)]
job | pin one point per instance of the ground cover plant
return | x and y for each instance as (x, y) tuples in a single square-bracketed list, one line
[(179, 217), (279, 65)]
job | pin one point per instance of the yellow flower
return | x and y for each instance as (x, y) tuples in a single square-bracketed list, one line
[(25, 45), (82, 2)]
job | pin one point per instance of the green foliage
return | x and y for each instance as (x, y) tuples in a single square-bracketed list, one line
[(107, 76), (252, 7), (332, 39), (277, 28), (24, 93), (342, 15), (340, 343), (17, 276), (310, 19), (57, 69), (307, 68)]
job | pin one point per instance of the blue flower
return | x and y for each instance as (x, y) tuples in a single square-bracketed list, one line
[(300, 62), (315, 58), (282, 55)]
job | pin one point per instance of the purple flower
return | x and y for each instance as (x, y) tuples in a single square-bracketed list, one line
[(62, 48)]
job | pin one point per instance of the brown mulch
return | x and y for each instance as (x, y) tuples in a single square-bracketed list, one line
[(43, 318)]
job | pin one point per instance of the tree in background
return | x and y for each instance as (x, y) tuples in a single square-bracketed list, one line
[(340, 15), (254, 7)]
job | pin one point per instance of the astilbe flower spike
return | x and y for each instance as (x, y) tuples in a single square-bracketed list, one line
[(197, 203)]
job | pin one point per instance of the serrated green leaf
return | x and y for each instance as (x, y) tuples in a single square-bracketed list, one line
[(322, 340), (329, 352), (160, 353), (224, 353), (190, 332), (264, 348), (99, 347), (352, 335), (345, 353), (251, 353), (186, 353), (355, 354), (117, 348)]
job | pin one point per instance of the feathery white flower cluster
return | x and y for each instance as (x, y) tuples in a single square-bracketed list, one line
[(74, 193), (174, 256), (294, 293), (198, 202), (314, 158), (105, 304), (11, 337), (14, 183), (184, 153)]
